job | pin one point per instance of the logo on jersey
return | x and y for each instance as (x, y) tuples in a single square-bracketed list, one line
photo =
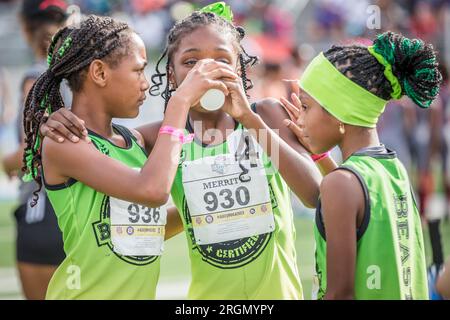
[(230, 254), (100, 146), (220, 165)]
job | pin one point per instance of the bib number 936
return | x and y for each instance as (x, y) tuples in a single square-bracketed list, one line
[(142, 213)]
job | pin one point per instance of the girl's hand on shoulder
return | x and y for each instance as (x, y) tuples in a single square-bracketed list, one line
[(63, 124)]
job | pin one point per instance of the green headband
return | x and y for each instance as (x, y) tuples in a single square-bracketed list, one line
[(221, 9), (340, 96), (395, 84)]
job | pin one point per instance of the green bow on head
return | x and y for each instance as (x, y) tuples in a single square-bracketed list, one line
[(219, 8)]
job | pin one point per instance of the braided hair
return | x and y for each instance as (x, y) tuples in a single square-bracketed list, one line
[(70, 53), (186, 26), (413, 64)]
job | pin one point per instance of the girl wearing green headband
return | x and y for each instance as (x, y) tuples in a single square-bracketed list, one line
[(369, 242)]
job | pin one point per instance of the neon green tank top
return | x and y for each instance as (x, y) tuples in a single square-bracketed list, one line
[(92, 268), (254, 266), (390, 258)]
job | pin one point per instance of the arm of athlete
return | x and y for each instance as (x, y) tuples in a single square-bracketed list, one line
[(340, 212), (292, 161)]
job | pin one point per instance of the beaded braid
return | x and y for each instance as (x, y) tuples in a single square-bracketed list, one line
[(71, 51), (195, 20), (413, 63)]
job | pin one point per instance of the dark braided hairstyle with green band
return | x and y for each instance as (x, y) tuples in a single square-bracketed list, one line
[(70, 53), (186, 26), (413, 63)]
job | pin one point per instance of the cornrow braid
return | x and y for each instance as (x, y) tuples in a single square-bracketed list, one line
[(413, 63), (70, 53), (186, 26)]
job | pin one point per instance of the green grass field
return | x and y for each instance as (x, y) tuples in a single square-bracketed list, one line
[(175, 265)]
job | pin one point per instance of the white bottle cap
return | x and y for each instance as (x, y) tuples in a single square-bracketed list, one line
[(212, 100)]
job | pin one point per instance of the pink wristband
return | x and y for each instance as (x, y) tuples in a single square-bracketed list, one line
[(177, 133), (317, 157)]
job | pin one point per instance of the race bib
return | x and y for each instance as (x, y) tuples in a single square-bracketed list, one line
[(228, 197), (137, 230)]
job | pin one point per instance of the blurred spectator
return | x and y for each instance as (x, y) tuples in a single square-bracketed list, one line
[(445, 135), (39, 246), (393, 129), (6, 108), (100, 7), (423, 22)]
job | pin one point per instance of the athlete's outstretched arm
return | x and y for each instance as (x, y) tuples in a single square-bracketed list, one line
[(292, 161), (207, 73), (295, 163), (63, 124), (340, 215), (152, 184), (148, 186)]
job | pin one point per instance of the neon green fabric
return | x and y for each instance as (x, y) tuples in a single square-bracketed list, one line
[(92, 269), (258, 267), (221, 9), (390, 256), (396, 87), (344, 99)]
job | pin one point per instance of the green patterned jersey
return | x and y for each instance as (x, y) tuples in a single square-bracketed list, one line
[(238, 221), (93, 267), (390, 258)]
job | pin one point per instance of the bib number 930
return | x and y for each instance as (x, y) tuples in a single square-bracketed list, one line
[(228, 200)]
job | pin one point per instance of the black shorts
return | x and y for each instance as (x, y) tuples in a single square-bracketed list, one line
[(39, 242)]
